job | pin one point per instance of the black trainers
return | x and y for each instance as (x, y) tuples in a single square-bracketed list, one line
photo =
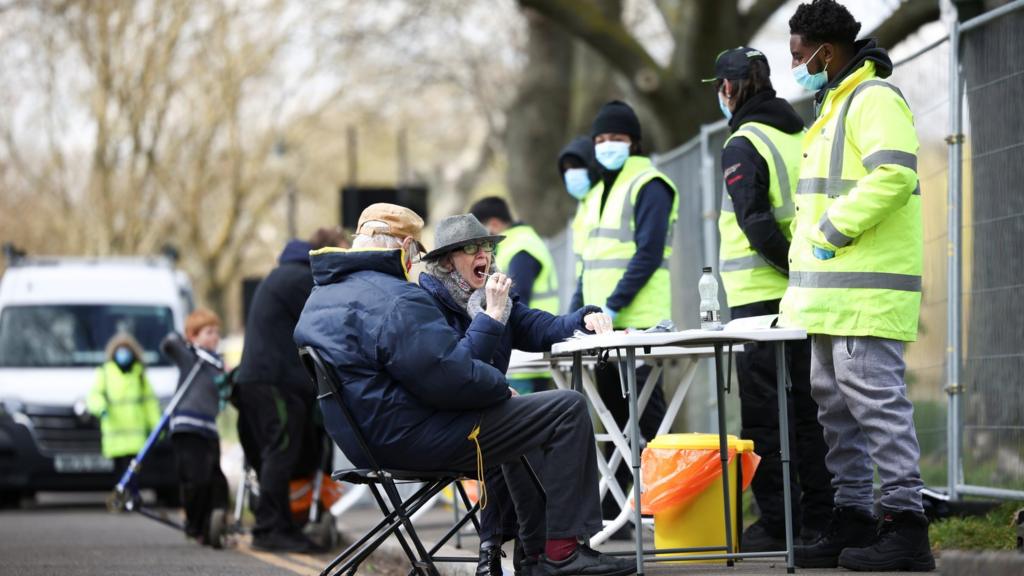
[(901, 544), (757, 538), (585, 561), (284, 542), (849, 528), (490, 559)]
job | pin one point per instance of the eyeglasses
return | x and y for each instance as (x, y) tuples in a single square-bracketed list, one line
[(471, 249)]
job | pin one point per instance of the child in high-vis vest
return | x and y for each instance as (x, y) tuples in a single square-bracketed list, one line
[(123, 401), (193, 424)]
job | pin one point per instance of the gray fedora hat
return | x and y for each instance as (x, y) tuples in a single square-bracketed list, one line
[(457, 231)]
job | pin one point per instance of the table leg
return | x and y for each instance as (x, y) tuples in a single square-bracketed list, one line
[(577, 371), (723, 450), (787, 496), (634, 447)]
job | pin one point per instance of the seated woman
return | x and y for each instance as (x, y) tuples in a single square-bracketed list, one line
[(462, 279)]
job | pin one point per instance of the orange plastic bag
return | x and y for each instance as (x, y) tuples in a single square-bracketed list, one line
[(301, 495), (672, 477)]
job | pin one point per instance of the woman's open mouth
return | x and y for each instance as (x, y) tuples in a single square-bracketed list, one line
[(480, 271)]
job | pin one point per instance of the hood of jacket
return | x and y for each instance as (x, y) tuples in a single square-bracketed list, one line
[(295, 251), (867, 50), (332, 265), (765, 107), (582, 148)]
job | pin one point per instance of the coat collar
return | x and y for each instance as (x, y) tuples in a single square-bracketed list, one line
[(332, 265)]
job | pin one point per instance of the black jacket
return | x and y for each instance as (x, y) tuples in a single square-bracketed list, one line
[(197, 411), (747, 178), (527, 329), (408, 378), (270, 356)]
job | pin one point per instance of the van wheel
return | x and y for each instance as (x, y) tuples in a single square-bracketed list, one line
[(10, 499)]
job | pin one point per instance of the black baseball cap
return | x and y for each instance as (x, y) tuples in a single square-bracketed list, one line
[(734, 64)]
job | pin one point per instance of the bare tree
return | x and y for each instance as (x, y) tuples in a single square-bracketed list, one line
[(178, 107)]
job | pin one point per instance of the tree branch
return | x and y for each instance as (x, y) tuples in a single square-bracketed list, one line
[(606, 36), (907, 19), (757, 15)]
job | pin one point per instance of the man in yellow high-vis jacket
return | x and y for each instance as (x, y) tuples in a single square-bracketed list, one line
[(760, 163), (528, 262), (855, 285), (629, 220)]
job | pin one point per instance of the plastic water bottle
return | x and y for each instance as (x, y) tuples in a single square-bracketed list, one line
[(709, 312)]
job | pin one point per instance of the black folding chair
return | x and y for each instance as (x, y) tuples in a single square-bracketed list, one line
[(397, 511)]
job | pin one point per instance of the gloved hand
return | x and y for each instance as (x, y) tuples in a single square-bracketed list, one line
[(822, 254), (610, 312)]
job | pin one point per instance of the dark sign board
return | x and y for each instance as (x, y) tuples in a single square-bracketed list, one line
[(355, 198)]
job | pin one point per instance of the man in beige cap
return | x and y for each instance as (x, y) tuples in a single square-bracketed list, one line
[(423, 403)]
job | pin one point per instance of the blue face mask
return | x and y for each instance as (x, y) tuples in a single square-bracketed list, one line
[(124, 357), (725, 109), (612, 155), (577, 182), (811, 82)]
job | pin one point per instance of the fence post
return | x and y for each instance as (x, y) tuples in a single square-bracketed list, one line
[(953, 300)]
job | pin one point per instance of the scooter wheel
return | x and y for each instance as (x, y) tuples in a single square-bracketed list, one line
[(324, 532), (116, 501), (217, 530)]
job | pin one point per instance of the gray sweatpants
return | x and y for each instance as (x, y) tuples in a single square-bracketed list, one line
[(858, 384)]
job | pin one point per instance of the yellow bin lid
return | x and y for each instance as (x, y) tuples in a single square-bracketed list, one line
[(696, 441)]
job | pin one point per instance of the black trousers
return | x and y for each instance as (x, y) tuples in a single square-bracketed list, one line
[(554, 429), (609, 386), (203, 486), (279, 423), (811, 484)]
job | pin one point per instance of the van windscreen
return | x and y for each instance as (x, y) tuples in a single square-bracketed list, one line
[(60, 336)]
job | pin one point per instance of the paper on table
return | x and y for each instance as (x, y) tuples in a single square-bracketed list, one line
[(753, 323)]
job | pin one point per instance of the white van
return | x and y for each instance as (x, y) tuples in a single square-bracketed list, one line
[(56, 316)]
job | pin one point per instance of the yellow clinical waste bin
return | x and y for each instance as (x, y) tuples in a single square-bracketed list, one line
[(682, 480)]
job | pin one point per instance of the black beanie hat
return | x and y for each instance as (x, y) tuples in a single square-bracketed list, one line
[(616, 117)]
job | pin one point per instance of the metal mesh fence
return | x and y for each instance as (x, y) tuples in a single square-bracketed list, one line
[(993, 254), (924, 81)]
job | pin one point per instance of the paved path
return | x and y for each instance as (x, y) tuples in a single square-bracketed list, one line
[(73, 535)]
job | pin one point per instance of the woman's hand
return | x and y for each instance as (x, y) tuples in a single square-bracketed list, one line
[(496, 289), (598, 322)]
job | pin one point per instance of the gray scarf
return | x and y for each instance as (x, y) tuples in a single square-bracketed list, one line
[(472, 301)]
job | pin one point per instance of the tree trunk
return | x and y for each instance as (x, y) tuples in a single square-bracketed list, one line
[(538, 126)]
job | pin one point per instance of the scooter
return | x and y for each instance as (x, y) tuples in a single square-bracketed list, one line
[(126, 497)]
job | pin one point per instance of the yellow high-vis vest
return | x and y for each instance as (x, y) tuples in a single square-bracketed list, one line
[(580, 231), (522, 238), (746, 276), (858, 195), (611, 244), (126, 406)]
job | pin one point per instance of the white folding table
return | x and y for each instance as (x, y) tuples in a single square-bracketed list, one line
[(631, 343), (616, 434)]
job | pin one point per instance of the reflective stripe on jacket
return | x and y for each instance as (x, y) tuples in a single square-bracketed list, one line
[(858, 195), (611, 244), (746, 276)]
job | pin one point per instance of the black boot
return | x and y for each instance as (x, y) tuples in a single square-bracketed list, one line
[(849, 528), (490, 558), (902, 544), (758, 538)]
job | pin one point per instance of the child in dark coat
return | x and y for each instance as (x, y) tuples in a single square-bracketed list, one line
[(193, 424)]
